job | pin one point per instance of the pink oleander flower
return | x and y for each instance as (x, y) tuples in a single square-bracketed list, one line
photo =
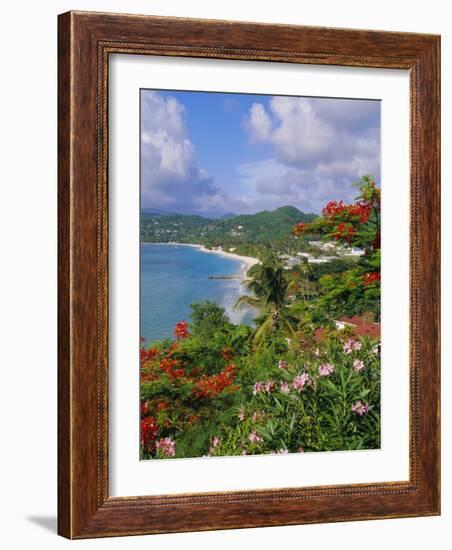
[(215, 442), (254, 438), (360, 408), (244, 452), (352, 345), (282, 365), (167, 446), (282, 452), (300, 381), (284, 387), (258, 415), (348, 346), (258, 387), (326, 369), (267, 387), (376, 349), (242, 415), (358, 365)]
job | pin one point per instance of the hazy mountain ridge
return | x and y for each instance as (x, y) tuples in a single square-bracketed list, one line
[(256, 228)]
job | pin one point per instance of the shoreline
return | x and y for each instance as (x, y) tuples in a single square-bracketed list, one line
[(247, 261)]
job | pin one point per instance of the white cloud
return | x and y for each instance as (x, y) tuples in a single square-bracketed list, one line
[(170, 176), (259, 123), (305, 131), (276, 184), (315, 149), (299, 135), (321, 146)]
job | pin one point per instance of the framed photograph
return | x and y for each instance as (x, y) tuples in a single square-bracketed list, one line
[(248, 275)]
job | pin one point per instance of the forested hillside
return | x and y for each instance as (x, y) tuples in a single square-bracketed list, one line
[(239, 232)]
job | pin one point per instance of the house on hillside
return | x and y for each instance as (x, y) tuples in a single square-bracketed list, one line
[(341, 249), (354, 251), (360, 325)]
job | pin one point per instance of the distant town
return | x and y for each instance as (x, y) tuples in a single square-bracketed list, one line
[(247, 235)]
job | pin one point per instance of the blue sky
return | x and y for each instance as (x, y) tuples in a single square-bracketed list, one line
[(211, 153)]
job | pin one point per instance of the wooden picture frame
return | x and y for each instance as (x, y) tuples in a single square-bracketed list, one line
[(86, 40)]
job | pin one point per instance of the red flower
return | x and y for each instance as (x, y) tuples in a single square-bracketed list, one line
[(149, 431), (366, 209), (143, 408), (351, 231), (172, 348), (333, 208), (371, 278), (300, 228), (148, 354), (360, 210), (210, 386), (181, 330), (345, 231), (340, 230), (169, 365)]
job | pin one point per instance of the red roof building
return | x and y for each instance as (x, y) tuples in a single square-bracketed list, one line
[(360, 325)]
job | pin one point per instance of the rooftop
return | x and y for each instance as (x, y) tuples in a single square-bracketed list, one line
[(361, 326)]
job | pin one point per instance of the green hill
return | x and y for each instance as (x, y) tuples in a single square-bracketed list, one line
[(236, 231), (261, 227)]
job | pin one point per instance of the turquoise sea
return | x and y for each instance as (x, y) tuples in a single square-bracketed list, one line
[(175, 276)]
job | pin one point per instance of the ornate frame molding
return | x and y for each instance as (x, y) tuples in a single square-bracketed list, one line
[(85, 42)]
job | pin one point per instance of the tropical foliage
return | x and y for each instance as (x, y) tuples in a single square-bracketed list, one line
[(353, 290), (216, 388), (248, 234), (217, 396), (268, 286)]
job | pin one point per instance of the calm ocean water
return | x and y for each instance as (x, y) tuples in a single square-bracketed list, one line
[(175, 276)]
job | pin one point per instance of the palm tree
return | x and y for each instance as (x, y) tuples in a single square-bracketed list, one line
[(306, 287), (269, 291)]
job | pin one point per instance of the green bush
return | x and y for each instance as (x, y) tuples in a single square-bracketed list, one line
[(217, 398)]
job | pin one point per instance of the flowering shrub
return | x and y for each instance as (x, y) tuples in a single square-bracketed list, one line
[(357, 223), (355, 290), (360, 408), (211, 386), (358, 365), (166, 447), (220, 389), (182, 384), (300, 381), (149, 432), (181, 330), (325, 397), (326, 369), (351, 345), (326, 406), (371, 278)]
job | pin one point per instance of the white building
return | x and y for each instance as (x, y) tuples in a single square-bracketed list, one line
[(354, 252)]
